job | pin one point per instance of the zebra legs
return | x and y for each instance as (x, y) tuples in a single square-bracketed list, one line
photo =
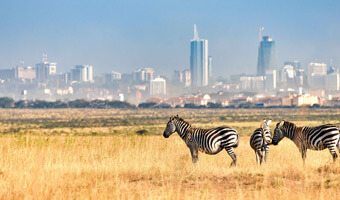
[(194, 154), (303, 151), (232, 155), (266, 150), (259, 156), (333, 152)]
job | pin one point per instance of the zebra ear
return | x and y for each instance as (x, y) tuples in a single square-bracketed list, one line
[(264, 121), (268, 122), (281, 123)]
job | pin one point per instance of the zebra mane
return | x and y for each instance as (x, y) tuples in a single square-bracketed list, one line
[(287, 123), (179, 119)]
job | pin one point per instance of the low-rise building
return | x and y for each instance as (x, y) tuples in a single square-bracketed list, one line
[(305, 100)]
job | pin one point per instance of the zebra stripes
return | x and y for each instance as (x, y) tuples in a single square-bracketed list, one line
[(305, 137), (209, 141), (260, 141)]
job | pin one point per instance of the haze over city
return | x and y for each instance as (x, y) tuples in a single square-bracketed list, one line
[(126, 35)]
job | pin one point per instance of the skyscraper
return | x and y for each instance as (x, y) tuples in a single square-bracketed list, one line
[(44, 70), (199, 60), (267, 56)]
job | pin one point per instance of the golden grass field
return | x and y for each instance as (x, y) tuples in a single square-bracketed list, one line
[(54, 160)]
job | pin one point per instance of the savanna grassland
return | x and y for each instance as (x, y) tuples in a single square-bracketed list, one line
[(121, 154)]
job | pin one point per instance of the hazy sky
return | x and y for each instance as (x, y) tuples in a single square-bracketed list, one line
[(125, 35)]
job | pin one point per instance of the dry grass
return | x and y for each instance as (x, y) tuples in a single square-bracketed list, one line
[(152, 167), (45, 156)]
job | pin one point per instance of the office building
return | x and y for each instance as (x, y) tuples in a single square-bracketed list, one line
[(332, 82), (7, 74), (143, 75), (315, 69), (252, 82), (199, 60), (296, 64), (82, 73), (158, 86), (110, 77), (210, 71), (182, 77), (44, 70), (270, 81), (266, 56), (27, 73), (187, 78)]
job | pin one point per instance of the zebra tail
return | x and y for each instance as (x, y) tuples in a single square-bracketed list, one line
[(236, 145)]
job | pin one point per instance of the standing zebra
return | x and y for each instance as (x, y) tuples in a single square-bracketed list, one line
[(260, 141), (314, 138), (209, 141)]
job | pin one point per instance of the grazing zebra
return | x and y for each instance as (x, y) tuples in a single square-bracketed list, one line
[(209, 141), (260, 141), (314, 138)]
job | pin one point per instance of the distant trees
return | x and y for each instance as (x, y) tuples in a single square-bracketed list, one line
[(6, 102), (147, 105)]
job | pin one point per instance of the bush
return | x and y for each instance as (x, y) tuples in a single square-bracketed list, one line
[(6, 102), (147, 105), (214, 105), (142, 132), (79, 103), (162, 105), (120, 104)]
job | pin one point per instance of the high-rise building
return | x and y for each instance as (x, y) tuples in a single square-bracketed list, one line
[(314, 70), (142, 75), (158, 86), (210, 71), (110, 77), (25, 73), (267, 56), (332, 82), (44, 70), (59, 80), (270, 82), (148, 74), (82, 73), (187, 78), (252, 82), (199, 60), (177, 77), (7, 74), (296, 64), (300, 73), (182, 77)]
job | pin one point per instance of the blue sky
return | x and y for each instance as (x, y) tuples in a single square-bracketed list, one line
[(126, 35)]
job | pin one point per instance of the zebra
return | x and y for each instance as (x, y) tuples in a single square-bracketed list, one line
[(260, 141), (305, 137), (209, 141)]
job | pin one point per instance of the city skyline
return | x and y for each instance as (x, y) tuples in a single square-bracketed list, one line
[(123, 36)]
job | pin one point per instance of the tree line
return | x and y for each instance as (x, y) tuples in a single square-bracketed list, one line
[(7, 102)]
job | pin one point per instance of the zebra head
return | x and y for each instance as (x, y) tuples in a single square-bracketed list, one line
[(278, 133), (170, 127), (266, 133)]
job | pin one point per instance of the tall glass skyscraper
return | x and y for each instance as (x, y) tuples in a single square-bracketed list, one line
[(199, 60), (267, 56)]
